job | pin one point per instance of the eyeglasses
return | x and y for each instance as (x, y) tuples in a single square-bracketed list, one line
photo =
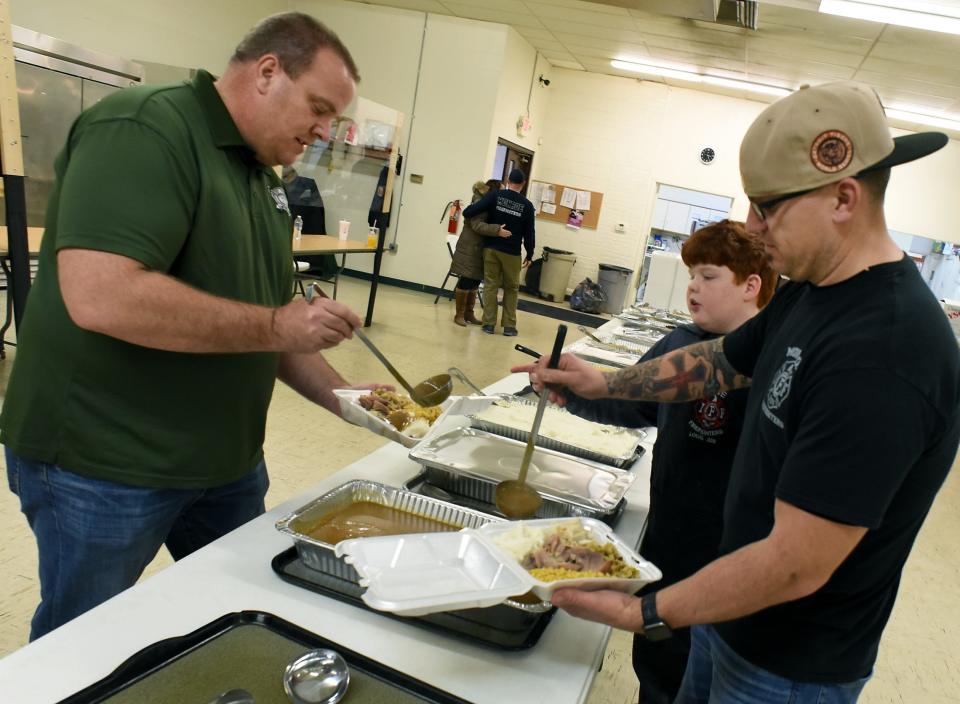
[(761, 210)]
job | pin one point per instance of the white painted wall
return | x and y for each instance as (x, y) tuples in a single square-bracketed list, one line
[(622, 137), (176, 32), (521, 65)]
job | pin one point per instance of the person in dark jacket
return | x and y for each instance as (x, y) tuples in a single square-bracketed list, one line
[(501, 256), (730, 281), (468, 257)]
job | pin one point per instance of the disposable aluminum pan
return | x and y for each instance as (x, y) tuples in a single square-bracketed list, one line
[(519, 435), (478, 461), (318, 555), (479, 494)]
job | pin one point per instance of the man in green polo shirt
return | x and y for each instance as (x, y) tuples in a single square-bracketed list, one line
[(162, 315)]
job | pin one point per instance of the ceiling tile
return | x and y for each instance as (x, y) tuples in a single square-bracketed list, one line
[(506, 5), (917, 53), (815, 23), (933, 74), (762, 62), (579, 17), (560, 27), (884, 80), (481, 12), (798, 50), (937, 41), (581, 5), (421, 5)]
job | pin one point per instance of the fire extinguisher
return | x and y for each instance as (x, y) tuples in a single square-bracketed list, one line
[(454, 208)]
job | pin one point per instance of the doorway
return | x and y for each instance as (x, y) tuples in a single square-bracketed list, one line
[(510, 156)]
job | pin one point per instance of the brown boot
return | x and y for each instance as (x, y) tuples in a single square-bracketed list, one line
[(468, 311), (461, 305)]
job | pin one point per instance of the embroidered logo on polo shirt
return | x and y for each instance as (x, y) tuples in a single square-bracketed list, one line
[(280, 198), (831, 151), (780, 386)]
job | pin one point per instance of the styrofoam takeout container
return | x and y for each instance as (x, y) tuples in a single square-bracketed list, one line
[(415, 575), (353, 412)]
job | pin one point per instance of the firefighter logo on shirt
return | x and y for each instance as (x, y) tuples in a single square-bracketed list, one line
[(709, 417), (710, 413), (280, 199), (780, 386)]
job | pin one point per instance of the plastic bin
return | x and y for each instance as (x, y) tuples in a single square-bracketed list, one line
[(614, 280), (555, 275)]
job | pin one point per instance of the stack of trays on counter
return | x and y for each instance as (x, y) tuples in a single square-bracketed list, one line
[(590, 351), (414, 575), (321, 556), (469, 462)]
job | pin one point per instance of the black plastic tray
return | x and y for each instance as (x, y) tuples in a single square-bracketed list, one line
[(152, 659), (501, 627)]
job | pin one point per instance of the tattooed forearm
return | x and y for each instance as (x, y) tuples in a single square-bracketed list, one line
[(687, 374)]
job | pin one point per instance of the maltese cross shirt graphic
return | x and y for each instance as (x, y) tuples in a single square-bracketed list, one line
[(779, 388)]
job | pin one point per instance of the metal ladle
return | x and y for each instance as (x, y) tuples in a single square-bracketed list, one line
[(318, 677), (430, 392), (454, 371), (514, 497)]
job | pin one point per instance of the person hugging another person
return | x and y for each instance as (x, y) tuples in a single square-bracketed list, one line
[(501, 256), (468, 257), (730, 281)]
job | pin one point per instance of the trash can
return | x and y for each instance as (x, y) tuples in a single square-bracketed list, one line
[(555, 275), (614, 280)]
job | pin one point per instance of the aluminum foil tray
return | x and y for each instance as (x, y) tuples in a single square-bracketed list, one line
[(558, 445), (478, 494), (320, 556), (488, 459)]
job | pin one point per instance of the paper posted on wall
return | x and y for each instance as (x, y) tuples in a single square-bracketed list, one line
[(583, 200), (568, 198), (549, 208), (536, 194), (549, 194)]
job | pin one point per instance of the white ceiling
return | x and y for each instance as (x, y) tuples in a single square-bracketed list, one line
[(793, 44)]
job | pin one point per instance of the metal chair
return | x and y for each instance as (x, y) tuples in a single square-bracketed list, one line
[(451, 246)]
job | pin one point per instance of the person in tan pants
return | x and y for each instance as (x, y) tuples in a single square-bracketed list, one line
[(501, 257)]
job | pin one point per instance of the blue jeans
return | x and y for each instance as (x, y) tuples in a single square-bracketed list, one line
[(96, 537), (717, 675)]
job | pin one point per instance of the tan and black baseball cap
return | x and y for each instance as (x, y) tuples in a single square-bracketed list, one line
[(819, 135)]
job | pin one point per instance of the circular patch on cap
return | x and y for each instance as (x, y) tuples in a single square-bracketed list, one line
[(832, 151)]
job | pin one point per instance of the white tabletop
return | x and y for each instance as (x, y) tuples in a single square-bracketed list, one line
[(234, 574)]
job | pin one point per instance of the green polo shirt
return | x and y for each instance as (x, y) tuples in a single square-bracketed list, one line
[(159, 174)]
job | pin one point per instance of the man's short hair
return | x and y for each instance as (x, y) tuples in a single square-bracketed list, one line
[(294, 38), (875, 184), (727, 243), (517, 176)]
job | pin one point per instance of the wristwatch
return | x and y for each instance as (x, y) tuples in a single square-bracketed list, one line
[(654, 627)]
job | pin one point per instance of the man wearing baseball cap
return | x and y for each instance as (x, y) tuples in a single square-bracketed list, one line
[(848, 435)]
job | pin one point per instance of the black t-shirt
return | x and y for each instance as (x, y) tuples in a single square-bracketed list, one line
[(852, 416), (692, 457), (514, 212)]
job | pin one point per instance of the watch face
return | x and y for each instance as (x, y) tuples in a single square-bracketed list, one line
[(657, 631), (707, 155)]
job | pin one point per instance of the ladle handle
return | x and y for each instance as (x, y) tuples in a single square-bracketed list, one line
[(373, 348), (557, 346), (390, 368), (586, 331), (541, 405), (527, 350), (465, 379)]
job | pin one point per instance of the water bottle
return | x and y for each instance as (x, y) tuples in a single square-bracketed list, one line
[(297, 227)]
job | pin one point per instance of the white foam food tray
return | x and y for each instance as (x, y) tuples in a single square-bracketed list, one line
[(353, 412), (415, 575)]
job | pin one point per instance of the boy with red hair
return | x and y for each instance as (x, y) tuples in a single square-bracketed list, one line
[(730, 281)]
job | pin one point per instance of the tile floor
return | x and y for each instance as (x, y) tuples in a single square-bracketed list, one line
[(920, 654)]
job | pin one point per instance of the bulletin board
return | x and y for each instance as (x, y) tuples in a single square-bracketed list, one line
[(590, 217)]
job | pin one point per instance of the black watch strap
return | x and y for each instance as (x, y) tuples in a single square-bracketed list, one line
[(654, 628)]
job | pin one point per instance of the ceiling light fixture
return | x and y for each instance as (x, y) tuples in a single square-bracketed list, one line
[(932, 16), (684, 75), (918, 118)]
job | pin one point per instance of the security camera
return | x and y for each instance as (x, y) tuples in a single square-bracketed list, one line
[(545, 82)]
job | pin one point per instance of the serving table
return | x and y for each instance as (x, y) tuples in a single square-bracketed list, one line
[(234, 574)]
